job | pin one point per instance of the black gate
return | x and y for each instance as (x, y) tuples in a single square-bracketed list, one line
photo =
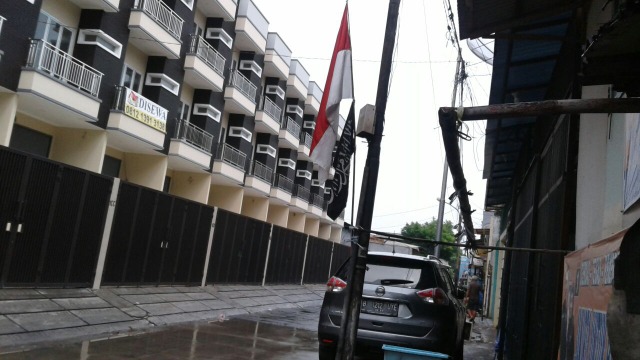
[(317, 263), (286, 256), (239, 249), (340, 255), (156, 238), (52, 217)]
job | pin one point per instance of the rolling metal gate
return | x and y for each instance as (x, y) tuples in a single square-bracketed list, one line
[(317, 265), (156, 239), (535, 279), (52, 217), (286, 256)]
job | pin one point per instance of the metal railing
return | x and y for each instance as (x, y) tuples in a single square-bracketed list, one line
[(240, 82), (262, 171), (292, 127), (231, 156), (64, 67), (317, 200), (163, 14), (301, 192), (306, 139), (284, 183), (271, 109), (207, 53), (194, 135)]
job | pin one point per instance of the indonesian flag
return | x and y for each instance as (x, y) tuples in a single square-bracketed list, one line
[(339, 86)]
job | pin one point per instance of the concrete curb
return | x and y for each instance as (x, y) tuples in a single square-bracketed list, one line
[(32, 317)]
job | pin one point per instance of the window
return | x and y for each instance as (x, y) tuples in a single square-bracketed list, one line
[(236, 131), (294, 109), (31, 141), (308, 124), (53, 32), (275, 89), (101, 39), (287, 163), (183, 111), (251, 65), (159, 79), (219, 34), (131, 79), (206, 110), (266, 149), (197, 30), (188, 3), (111, 166), (304, 174), (316, 182), (327, 190)]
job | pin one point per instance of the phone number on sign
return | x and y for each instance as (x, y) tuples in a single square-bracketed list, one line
[(145, 118)]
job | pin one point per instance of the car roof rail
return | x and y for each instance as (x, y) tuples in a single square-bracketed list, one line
[(433, 257)]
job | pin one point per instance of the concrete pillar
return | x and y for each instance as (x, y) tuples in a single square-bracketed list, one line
[(8, 109)]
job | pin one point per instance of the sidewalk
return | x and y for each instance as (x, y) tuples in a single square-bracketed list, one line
[(30, 317), (481, 344)]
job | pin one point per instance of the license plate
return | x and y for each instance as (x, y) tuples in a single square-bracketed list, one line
[(378, 307)]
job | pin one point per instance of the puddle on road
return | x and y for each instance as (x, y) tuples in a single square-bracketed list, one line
[(231, 339)]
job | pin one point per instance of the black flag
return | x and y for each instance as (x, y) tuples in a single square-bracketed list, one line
[(342, 166)]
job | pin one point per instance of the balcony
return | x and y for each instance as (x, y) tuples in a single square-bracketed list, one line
[(268, 118), (203, 65), (258, 182), (314, 97), (251, 28), (289, 134), (300, 198), (316, 203), (277, 57), (59, 89), (190, 148), (240, 95), (305, 145), (225, 9), (104, 5), (136, 124), (298, 81), (155, 29), (228, 166), (281, 190)]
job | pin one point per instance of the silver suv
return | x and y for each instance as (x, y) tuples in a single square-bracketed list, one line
[(407, 301)]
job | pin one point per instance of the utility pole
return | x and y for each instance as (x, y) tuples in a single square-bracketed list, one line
[(445, 172), (358, 263)]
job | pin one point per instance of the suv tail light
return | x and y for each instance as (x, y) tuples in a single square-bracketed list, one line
[(434, 296), (335, 284)]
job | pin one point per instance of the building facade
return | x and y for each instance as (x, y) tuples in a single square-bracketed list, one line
[(196, 99)]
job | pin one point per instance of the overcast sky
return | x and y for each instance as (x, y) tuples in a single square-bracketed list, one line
[(412, 153)]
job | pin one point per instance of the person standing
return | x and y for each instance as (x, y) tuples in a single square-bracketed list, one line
[(472, 298)]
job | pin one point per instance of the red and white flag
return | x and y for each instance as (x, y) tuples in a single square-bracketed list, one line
[(339, 86)]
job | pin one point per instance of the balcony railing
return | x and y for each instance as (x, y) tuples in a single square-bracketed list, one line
[(292, 127), (272, 109), (317, 200), (262, 171), (62, 66), (282, 182), (240, 82), (207, 53), (194, 135), (306, 139), (163, 15), (301, 192), (231, 156)]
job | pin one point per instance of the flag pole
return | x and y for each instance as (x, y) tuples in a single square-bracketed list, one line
[(353, 296)]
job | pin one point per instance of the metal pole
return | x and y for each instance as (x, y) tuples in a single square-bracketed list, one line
[(445, 171), (353, 296)]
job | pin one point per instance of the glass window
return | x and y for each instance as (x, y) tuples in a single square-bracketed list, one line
[(131, 79), (31, 141), (111, 166), (56, 34)]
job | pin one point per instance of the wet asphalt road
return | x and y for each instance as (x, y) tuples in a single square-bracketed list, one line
[(278, 334)]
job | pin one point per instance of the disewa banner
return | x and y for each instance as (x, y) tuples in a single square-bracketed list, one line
[(586, 292), (146, 111)]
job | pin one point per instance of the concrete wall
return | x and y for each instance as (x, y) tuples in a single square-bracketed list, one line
[(82, 148), (145, 170), (225, 197), (193, 186), (257, 208), (296, 221), (278, 215), (8, 109)]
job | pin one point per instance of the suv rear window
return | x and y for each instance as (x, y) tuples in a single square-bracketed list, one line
[(396, 271)]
